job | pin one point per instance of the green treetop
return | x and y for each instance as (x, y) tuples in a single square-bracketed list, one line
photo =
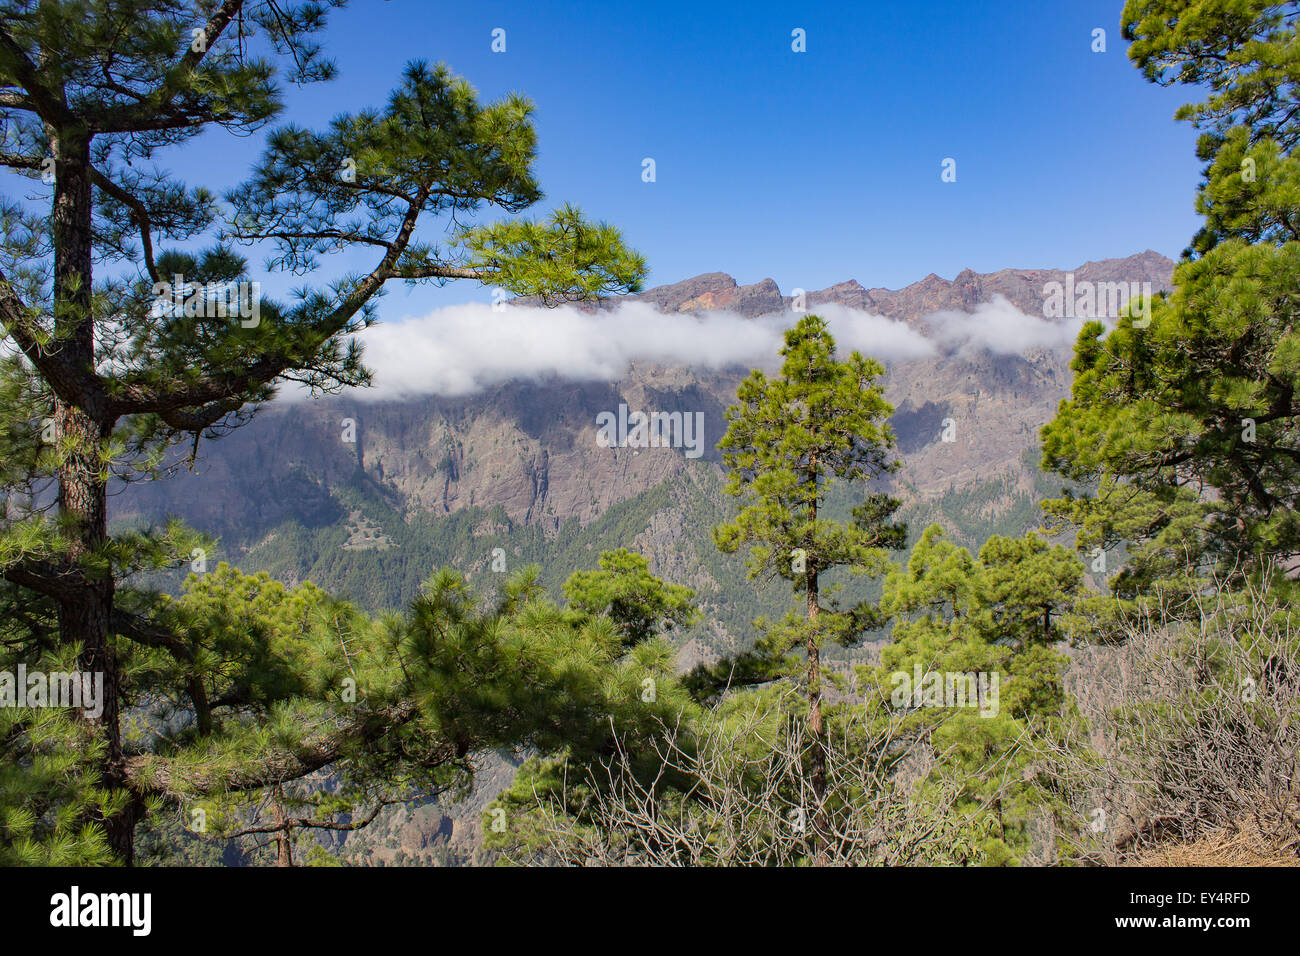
[(640, 604), (788, 439)]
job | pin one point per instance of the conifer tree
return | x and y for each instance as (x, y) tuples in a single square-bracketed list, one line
[(1189, 427), (821, 420), (971, 666), (640, 604), (120, 344)]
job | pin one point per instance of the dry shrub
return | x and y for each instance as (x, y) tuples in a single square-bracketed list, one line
[(1242, 845), (751, 803), (1198, 738)]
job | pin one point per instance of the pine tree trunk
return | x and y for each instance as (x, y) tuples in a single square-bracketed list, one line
[(283, 838), (284, 855), (82, 430), (815, 727)]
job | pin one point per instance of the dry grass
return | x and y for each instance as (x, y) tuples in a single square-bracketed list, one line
[(1246, 844)]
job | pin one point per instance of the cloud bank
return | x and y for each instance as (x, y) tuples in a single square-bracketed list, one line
[(463, 349), (1001, 328)]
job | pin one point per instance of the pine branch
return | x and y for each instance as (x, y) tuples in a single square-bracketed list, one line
[(289, 824), (139, 212), (51, 107), (71, 382), (150, 774), (52, 580)]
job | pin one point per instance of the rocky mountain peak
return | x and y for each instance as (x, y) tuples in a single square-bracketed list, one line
[(1024, 288)]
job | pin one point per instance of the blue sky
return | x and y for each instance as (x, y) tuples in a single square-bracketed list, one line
[(810, 168)]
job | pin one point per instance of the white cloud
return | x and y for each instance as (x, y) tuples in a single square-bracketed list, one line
[(1000, 327), (462, 349), (872, 335)]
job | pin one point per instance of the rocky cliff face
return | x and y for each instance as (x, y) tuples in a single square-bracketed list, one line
[(1023, 288), (531, 448)]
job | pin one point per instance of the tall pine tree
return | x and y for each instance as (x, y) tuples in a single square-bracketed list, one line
[(822, 420), (121, 345)]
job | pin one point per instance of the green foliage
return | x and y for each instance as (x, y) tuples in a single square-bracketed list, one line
[(624, 590), (48, 790), (788, 441), (973, 669), (1201, 398), (564, 257)]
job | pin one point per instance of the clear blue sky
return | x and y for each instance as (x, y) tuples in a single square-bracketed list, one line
[(813, 167)]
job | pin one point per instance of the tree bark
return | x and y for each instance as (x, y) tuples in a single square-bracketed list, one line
[(815, 727), (82, 429), (283, 836)]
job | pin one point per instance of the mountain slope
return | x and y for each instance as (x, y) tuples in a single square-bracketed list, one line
[(435, 479)]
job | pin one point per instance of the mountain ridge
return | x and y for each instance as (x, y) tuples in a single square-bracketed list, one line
[(933, 293), (529, 448)]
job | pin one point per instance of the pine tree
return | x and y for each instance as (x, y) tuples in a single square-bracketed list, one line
[(640, 604), (1188, 426), (822, 420), (959, 623), (120, 348)]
